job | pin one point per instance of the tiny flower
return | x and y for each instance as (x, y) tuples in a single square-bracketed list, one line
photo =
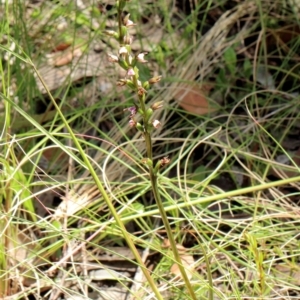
[(113, 58), (111, 33), (127, 22), (132, 123), (156, 124), (166, 160), (140, 57), (130, 72), (123, 50), (161, 163), (127, 39), (130, 59), (132, 110), (154, 79), (126, 18), (157, 105), (121, 82), (141, 91)]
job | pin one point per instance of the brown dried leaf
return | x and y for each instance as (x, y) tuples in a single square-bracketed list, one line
[(61, 47), (65, 58), (187, 261), (193, 99), (90, 64)]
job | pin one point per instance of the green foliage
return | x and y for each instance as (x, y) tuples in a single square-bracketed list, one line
[(231, 60)]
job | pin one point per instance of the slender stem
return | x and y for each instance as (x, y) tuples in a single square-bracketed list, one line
[(153, 178), (148, 141), (120, 26), (149, 147), (155, 189)]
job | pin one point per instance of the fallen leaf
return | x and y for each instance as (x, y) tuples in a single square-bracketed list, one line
[(282, 36), (65, 57), (188, 264), (61, 47), (193, 98), (187, 261)]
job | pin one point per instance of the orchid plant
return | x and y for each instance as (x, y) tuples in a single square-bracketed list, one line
[(144, 112)]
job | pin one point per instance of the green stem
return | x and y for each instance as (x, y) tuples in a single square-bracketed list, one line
[(121, 37), (153, 178), (155, 189), (153, 175)]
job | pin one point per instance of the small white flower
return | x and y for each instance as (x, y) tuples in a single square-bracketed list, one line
[(140, 57), (132, 123), (129, 23), (123, 50), (130, 72), (156, 124), (112, 58), (110, 33), (127, 39)]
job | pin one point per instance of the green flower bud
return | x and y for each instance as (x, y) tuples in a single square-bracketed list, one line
[(148, 162), (124, 30), (130, 84), (127, 39), (157, 167), (122, 63), (149, 113), (146, 85), (140, 127)]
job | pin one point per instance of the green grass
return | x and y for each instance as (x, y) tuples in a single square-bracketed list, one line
[(228, 199)]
